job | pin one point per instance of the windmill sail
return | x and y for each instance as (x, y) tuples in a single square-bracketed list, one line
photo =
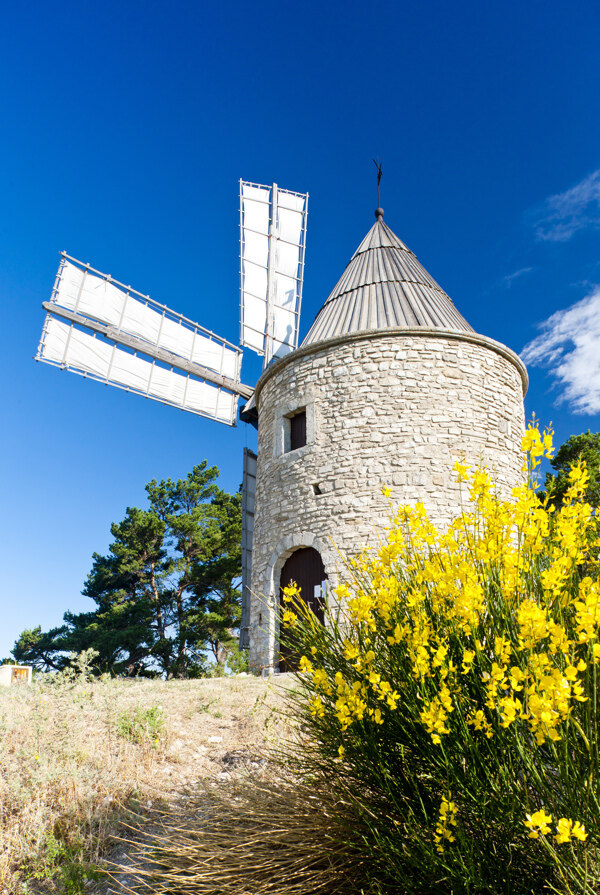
[(102, 329), (273, 239)]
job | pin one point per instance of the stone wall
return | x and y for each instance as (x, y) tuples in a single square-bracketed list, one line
[(392, 409)]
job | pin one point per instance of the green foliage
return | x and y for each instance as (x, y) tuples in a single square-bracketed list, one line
[(237, 660), (41, 649), (584, 447), (216, 582), (454, 697), (167, 591), (61, 863), (141, 725), (127, 586), (82, 664)]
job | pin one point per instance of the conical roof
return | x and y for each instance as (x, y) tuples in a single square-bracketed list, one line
[(383, 287)]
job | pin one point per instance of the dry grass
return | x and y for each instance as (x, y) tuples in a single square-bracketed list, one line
[(68, 772), (249, 837)]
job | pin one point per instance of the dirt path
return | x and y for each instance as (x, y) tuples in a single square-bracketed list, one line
[(217, 731)]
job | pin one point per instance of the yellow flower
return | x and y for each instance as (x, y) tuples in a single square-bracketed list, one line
[(563, 830), (392, 699), (444, 605), (478, 721), (566, 830), (317, 708), (350, 650), (397, 635), (291, 591), (320, 679), (306, 665), (342, 592), (536, 445), (537, 823), (516, 678), (467, 662), (509, 708), (461, 469), (447, 819), (439, 656), (434, 717), (533, 624), (289, 619)]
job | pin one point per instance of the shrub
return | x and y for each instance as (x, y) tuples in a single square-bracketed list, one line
[(237, 660), (60, 863), (141, 725), (452, 697)]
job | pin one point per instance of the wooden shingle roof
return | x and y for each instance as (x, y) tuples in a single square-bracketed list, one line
[(384, 287)]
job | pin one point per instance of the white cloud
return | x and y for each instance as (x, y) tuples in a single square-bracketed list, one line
[(561, 216), (509, 279), (569, 345)]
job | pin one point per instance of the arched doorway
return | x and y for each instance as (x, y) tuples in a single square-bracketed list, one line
[(306, 568)]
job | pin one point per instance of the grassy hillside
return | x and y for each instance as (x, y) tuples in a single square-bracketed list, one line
[(76, 756)]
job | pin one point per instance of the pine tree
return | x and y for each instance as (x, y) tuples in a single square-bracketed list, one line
[(577, 447), (166, 593)]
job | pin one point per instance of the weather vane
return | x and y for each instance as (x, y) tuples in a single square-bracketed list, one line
[(377, 163)]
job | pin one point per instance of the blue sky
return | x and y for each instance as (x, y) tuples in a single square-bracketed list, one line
[(125, 128)]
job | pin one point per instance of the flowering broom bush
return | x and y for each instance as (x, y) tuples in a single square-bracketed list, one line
[(453, 695)]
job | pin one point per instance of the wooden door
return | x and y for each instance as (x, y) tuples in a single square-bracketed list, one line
[(306, 568)]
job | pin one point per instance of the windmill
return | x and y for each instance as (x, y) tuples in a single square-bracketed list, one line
[(104, 330)]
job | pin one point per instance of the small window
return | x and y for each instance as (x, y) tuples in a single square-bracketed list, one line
[(298, 430), (294, 427)]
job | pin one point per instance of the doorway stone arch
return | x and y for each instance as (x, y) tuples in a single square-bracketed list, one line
[(304, 568), (284, 549)]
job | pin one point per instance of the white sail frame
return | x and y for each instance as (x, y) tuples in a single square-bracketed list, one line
[(90, 293), (164, 368), (272, 248)]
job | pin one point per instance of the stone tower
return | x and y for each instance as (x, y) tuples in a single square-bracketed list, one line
[(390, 387)]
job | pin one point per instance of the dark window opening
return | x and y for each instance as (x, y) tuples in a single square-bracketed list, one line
[(298, 430)]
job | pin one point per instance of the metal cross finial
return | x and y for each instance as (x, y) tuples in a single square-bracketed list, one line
[(379, 209)]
